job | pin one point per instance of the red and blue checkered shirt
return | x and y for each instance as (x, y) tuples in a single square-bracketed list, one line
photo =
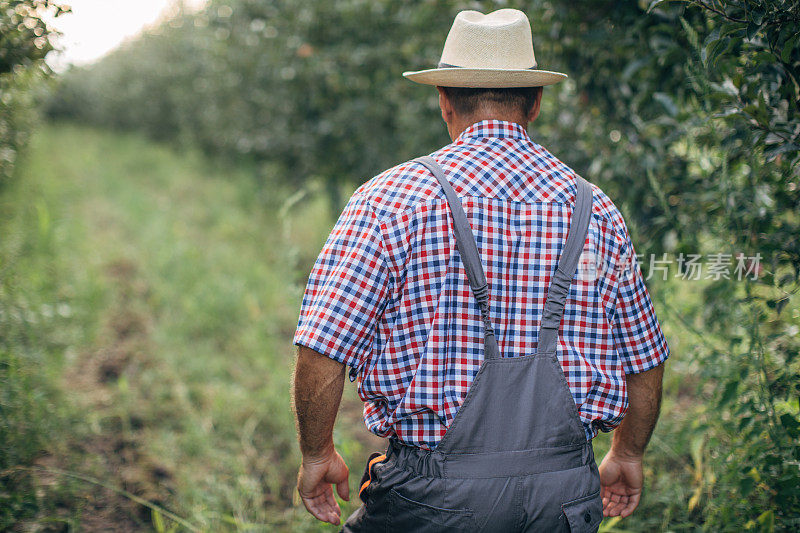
[(389, 296)]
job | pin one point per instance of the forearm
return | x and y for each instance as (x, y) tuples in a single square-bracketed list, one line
[(318, 384), (644, 404)]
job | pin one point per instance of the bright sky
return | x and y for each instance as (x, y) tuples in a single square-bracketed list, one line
[(97, 26)]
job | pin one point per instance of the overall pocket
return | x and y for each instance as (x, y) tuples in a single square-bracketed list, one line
[(584, 514), (408, 515), (366, 479)]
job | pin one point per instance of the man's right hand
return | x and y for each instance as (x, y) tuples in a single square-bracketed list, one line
[(314, 485), (621, 481)]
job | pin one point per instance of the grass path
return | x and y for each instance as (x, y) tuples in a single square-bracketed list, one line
[(164, 293)]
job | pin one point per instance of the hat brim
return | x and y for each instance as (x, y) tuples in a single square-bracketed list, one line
[(485, 77)]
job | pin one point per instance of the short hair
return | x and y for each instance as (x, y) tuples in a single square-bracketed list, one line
[(467, 100)]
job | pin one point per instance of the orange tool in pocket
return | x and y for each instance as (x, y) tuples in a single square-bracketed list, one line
[(366, 479)]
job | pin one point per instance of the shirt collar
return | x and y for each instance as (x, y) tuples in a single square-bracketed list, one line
[(494, 128)]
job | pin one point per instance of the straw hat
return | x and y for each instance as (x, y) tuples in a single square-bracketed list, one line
[(494, 50)]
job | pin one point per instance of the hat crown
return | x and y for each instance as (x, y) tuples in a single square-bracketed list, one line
[(499, 40)]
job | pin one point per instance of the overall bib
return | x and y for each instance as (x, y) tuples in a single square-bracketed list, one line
[(515, 458)]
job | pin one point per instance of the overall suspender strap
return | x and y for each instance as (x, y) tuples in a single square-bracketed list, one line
[(562, 279), (567, 264), (465, 243)]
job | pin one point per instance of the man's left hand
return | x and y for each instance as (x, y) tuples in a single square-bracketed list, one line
[(314, 483)]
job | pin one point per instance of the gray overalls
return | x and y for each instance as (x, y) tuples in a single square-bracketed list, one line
[(515, 458)]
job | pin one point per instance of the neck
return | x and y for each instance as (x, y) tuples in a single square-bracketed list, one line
[(457, 126)]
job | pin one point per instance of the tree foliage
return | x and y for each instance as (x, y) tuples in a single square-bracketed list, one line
[(24, 43), (697, 138)]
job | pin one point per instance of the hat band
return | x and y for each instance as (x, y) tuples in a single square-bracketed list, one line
[(448, 65)]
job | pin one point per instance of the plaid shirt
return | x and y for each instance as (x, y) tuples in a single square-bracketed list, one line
[(389, 296)]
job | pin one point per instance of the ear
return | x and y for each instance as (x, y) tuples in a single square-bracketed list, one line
[(445, 105), (537, 105)]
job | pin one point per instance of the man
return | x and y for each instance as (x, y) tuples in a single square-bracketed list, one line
[(450, 285)]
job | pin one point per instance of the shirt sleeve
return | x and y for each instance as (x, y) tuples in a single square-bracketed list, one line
[(346, 289), (639, 340)]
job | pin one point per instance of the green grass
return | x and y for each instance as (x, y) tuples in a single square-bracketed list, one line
[(149, 299)]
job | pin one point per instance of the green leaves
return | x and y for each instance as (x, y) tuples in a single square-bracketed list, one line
[(25, 33), (789, 47), (728, 393), (791, 425), (25, 40)]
